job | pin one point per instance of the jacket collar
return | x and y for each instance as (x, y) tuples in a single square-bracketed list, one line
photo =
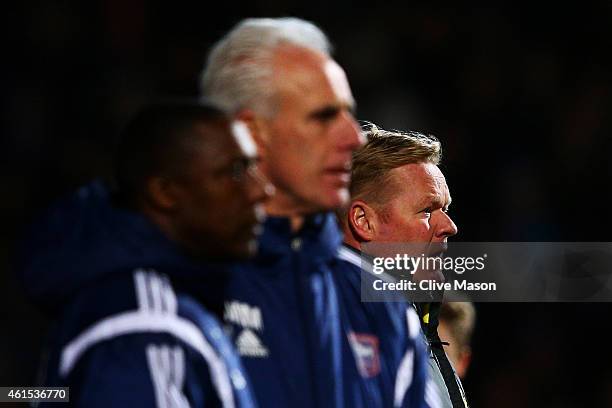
[(319, 237)]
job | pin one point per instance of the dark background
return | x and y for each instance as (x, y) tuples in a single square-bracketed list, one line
[(519, 94)]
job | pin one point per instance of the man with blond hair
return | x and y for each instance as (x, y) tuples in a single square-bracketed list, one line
[(283, 309), (399, 195)]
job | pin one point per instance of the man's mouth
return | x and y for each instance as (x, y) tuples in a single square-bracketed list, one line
[(436, 249), (342, 172)]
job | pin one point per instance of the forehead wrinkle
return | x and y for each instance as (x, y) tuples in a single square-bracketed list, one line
[(436, 192), (444, 191), (438, 183), (299, 63), (338, 82), (294, 87), (298, 70)]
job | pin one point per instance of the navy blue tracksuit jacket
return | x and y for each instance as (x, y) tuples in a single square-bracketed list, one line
[(130, 326), (304, 336)]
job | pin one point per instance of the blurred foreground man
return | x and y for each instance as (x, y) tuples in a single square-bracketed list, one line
[(399, 195), (457, 321), (129, 274), (283, 310)]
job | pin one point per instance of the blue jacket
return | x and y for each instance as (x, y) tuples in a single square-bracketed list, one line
[(304, 336), (392, 319), (130, 329)]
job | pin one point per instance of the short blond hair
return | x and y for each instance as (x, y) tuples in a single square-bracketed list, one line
[(384, 151)]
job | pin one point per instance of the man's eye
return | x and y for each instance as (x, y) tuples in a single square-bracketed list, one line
[(239, 169), (326, 114), (427, 212)]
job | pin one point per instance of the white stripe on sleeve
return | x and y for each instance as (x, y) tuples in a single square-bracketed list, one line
[(145, 320), (404, 377)]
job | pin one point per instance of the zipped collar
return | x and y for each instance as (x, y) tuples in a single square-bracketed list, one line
[(319, 237)]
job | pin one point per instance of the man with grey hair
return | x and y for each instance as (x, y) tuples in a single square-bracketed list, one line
[(399, 195), (283, 309), (278, 77)]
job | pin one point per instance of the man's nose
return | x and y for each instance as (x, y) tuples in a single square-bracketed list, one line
[(351, 137), (445, 227)]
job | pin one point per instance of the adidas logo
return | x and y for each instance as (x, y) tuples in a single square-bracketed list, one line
[(249, 345), (243, 314)]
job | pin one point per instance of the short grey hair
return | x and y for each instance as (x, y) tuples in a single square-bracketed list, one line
[(239, 72)]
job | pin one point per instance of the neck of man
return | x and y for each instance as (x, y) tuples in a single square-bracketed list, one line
[(285, 205), (167, 227), (349, 239)]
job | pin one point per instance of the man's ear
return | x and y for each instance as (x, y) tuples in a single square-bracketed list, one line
[(362, 221), (257, 128), (465, 358), (162, 193)]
